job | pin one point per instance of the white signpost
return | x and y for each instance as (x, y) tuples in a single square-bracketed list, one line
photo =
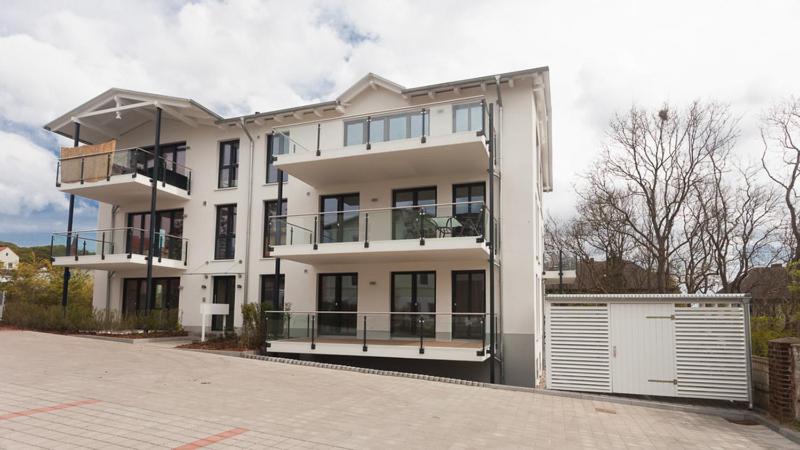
[(211, 309)]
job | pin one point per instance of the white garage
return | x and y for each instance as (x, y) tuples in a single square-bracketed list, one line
[(671, 345)]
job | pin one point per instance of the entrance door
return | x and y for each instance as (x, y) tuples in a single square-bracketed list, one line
[(413, 292), (339, 218), (408, 203), (224, 292), (469, 296), (642, 348), (337, 301)]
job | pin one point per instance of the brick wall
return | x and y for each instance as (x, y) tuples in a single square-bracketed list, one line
[(784, 378)]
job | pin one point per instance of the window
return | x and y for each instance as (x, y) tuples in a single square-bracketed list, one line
[(228, 164), (278, 145), (413, 292), (225, 239), (268, 292), (274, 230), (407, 204), (168, 233), (339, 215), (468, 117), (387, 128), (134, 294)]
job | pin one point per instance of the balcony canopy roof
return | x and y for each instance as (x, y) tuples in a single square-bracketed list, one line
[(118, 111)]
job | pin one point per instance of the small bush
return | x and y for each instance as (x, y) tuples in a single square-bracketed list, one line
[(252, 335), (764, 329)]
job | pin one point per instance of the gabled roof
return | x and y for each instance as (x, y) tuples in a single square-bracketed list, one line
[(118, 111), (369, 80)]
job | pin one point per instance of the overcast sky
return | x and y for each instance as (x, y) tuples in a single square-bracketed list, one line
[(243, 56)]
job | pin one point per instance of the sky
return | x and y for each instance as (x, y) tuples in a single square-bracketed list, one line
[(237, 57)]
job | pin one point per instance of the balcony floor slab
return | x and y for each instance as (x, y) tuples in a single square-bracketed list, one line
[(123, 189), (459, 153), (435, 249), (121, 262), (455, 350)]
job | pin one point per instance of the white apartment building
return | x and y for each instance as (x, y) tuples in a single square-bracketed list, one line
[(383, 238)]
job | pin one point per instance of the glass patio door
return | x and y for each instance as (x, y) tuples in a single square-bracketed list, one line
[(408, 203), (339, 218), (413, 292), (468, 202), (469, 296), (337, 302), (224, 292)]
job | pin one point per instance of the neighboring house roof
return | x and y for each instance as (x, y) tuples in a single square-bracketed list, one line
[(767, 283)]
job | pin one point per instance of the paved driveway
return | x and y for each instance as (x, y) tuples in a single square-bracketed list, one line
[(59, 392)]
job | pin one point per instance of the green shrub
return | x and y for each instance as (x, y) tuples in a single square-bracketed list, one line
[(764, 329), (252, 335)]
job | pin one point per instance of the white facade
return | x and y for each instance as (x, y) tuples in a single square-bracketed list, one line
[(448, 157), (8, 261)]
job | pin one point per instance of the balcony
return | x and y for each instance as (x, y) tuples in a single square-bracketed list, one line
[(121, 176), (119, 249), (435, 232), (406, 143), (430, 335)]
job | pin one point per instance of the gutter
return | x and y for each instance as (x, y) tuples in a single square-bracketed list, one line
[(248, 232)]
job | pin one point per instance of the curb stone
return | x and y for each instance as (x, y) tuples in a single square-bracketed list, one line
[(725, 413)]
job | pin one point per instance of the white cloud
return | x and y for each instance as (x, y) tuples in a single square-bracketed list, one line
[(27, 177), (245, 56)]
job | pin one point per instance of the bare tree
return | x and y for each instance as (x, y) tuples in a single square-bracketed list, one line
[(654, 162), (781, 161)]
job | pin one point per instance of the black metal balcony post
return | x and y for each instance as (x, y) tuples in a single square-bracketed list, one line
[(314, 234), (482, 351), (319, 130), (141, 242), (560, 271), (58, 173), (313, 332), (153, 202), (65, 284), (366, 232), (163, 172), (189, 184), (160, 245), (185, 252), (52, 240), (288, 325), (421, 227), (108, 168), (364, 332), (422, 138), (84, 247), (77, 239), (83, 161), (421, 321), (369, 125), (483, 118), (103, 246), (266, 331)]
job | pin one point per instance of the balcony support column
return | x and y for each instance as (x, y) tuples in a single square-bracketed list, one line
[(65, 285), (491, 136), (151, 232)]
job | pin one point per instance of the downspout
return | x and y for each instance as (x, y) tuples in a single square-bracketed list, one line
[(498, 121), (248, 232)]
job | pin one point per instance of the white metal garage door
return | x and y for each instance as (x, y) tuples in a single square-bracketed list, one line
[(665, 345)]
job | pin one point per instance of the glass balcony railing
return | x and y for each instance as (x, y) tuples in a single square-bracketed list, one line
[(418, 222), (417, 329), (554, 262), (466, 116), (116, 241), (133, 161)]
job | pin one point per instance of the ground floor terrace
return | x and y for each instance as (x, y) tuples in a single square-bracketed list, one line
[(72, 392), (436, 310)]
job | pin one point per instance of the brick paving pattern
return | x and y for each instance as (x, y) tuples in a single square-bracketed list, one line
[(104, 395)]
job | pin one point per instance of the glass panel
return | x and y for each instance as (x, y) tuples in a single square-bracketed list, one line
[(416, 125), (348, 302), (330, 220), (475, 115), (268, 292), (354, 132), (460, 118), (349, 218), (280, 146), (426, 301), (376, 130), (403, 302), (398, 127)]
